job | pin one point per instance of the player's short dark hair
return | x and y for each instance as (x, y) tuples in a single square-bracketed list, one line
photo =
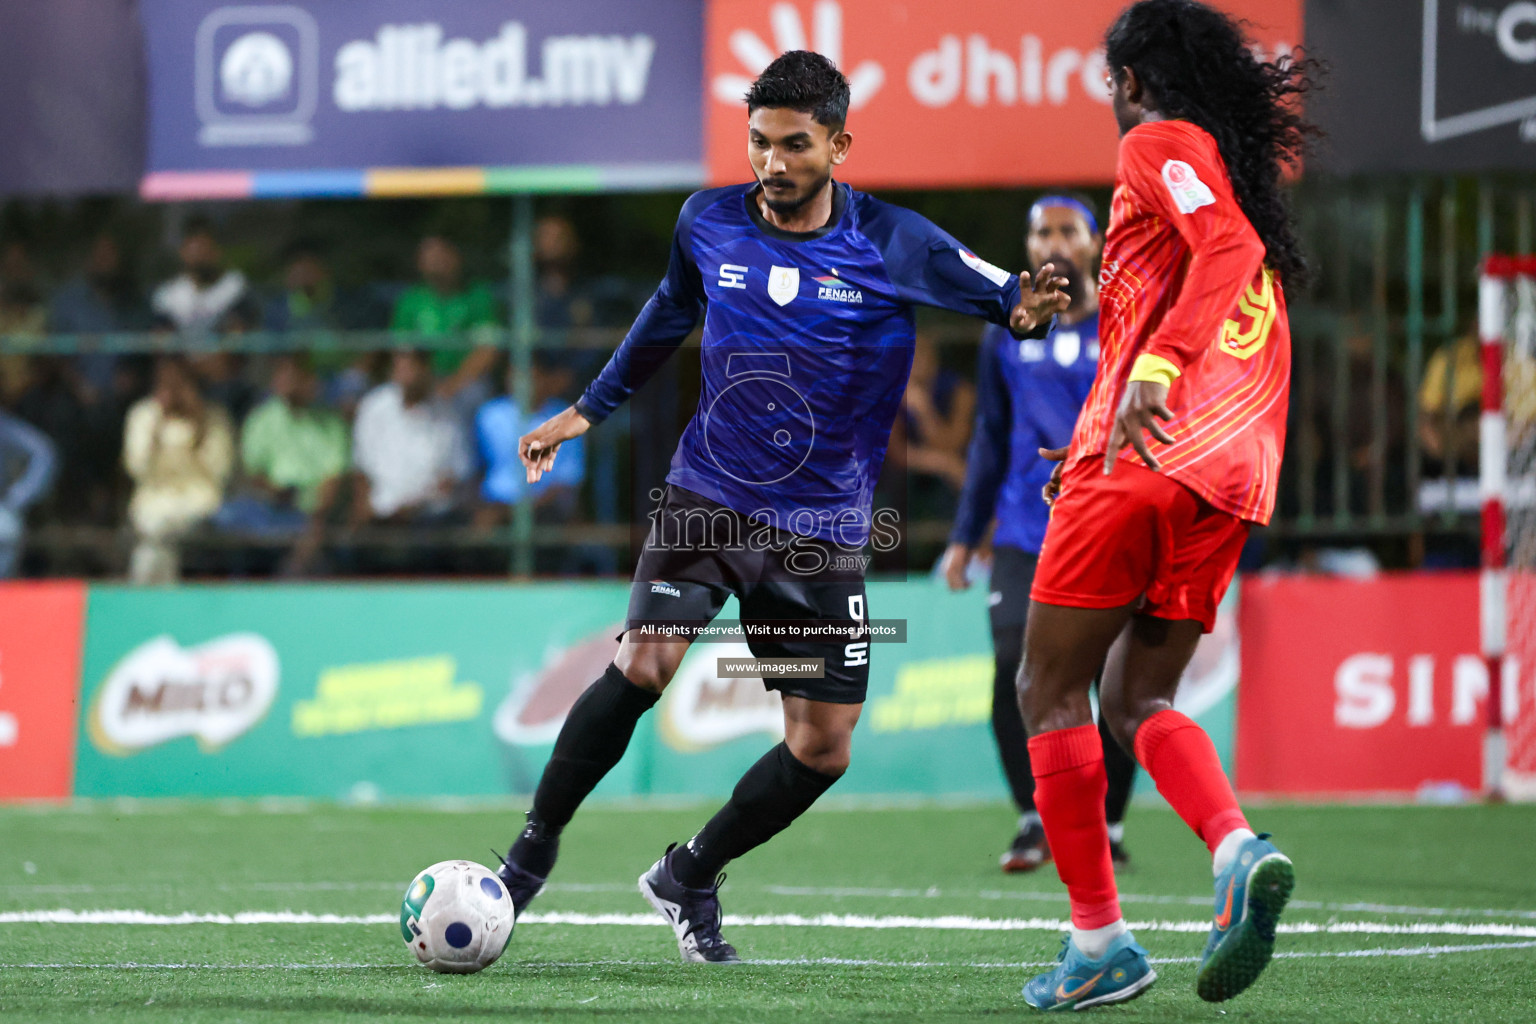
[(804, 81)]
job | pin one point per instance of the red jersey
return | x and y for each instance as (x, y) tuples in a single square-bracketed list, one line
[(1184, 279)]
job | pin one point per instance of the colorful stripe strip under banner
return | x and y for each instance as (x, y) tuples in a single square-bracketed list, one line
[(174, 186)]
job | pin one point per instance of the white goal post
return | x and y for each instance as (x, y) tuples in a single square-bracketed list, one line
[(1507, 472)]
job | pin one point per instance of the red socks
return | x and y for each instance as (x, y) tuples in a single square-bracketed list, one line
[(1182, 761), (1070, 784)]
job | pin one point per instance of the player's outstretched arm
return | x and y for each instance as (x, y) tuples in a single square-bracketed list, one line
[(537, 448), (1039, 300)]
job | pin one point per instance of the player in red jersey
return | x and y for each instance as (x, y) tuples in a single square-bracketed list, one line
[(1175, 454)]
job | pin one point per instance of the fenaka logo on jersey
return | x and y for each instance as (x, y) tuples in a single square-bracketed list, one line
[(832, 289), (783, 284), (660, 587), (1184, 185)]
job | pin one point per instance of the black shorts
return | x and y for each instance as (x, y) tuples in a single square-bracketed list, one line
[(699, 553), (1013, 573)]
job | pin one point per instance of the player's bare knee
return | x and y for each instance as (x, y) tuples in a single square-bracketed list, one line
[(829, 755), (645, 665), (1114, 711)]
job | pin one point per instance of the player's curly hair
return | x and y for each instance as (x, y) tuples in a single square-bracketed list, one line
[(1197, 65), (805, 81)]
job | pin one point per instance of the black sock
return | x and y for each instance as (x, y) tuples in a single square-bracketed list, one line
[(774, 792), (1007, 722), (591, 741), (1121, 769)]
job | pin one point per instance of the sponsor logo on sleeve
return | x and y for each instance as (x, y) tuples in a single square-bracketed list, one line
[(1184, 185), (997, 275)]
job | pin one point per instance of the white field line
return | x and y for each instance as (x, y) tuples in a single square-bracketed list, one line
[(86, 889), (952, 922), (536, 965)]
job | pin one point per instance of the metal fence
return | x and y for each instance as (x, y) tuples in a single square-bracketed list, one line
[(1381, 451)]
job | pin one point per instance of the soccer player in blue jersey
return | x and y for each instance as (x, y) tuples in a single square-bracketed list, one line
[(807, 290), (1030, 393)]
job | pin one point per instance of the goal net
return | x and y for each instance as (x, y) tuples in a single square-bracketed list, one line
[(1508, 472)]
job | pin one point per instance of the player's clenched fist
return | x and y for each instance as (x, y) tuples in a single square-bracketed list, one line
[(537, 448), (1039, 300)]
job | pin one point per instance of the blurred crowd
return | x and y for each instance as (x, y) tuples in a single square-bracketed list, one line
[(283, 463), (403, 458)]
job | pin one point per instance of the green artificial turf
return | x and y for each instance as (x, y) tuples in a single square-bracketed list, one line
[(1458, 867)]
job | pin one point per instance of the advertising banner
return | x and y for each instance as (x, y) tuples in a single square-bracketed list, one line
[(1365, 686), (39, 682), (990, 92), (369, 692), (406, 96), (71, 72), (1426, 85)]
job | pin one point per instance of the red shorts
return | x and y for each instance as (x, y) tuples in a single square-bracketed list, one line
[(1137, 534)]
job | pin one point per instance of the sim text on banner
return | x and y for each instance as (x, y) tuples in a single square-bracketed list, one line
[(1366, 686)]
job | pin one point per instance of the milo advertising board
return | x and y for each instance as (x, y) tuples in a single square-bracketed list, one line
[(391, 692)]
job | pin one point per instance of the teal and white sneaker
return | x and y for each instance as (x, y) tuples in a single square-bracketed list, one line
[(1250, 894), (1121, 974)]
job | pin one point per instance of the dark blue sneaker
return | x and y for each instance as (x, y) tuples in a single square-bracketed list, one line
[(694, 914), (1250, 894), (1120, 975), (521, 885)]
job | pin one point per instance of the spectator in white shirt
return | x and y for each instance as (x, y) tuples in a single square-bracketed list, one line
[(409, 449), (206, 294), (179, 450)]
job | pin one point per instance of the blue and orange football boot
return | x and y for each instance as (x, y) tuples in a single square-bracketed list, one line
[(1250, 894), (1121, 974)]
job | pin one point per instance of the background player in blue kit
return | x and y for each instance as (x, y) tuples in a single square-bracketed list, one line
[(1030, 392), (807, 291)]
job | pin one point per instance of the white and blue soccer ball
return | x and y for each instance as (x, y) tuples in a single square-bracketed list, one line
[(456, 917)]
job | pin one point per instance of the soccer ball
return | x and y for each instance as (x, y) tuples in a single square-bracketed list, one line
[(456, 917)]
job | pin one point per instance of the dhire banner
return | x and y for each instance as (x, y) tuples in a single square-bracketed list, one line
[(988, 92)]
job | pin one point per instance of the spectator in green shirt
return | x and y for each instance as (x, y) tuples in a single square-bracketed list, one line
[(295, 455), (445, 304)]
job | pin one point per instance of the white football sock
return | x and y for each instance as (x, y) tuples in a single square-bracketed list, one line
[(1117, 831), (1027, 819), (1227, 849), (1094, 942)]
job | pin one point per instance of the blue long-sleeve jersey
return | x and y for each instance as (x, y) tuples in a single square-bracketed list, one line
[(807, 346), (1029, 395)]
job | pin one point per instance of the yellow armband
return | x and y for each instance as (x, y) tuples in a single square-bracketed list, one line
[(1154, 370)]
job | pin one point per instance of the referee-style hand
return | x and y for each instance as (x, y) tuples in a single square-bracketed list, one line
[(1040, 300), (1145, 403), (537, 448)]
